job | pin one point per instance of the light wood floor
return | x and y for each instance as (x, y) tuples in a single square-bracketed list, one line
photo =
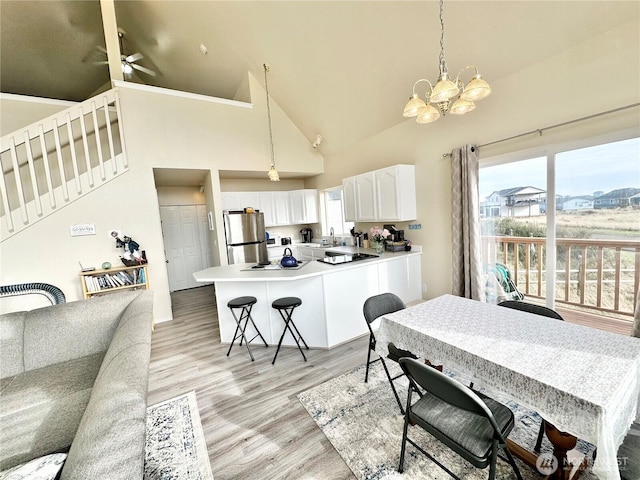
[(254, 425)]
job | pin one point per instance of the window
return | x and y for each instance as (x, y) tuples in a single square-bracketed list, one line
[(332, 212), (566, 224)]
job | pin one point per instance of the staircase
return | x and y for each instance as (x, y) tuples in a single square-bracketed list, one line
[(53, 162)]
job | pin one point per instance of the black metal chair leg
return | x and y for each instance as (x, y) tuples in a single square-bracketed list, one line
[(393, 388), (285, 307), (538, 445), (372, 344), (246, 305), (288, 324)]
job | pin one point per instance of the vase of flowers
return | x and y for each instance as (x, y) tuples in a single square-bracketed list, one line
[(377, 237)]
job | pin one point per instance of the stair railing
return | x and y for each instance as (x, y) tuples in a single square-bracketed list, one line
[(50, 163)]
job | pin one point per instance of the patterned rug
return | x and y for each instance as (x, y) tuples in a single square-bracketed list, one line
[(176, 449), (364, 424)]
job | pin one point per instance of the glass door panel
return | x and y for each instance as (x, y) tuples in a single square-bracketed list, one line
[(513, 223), (597, 224)]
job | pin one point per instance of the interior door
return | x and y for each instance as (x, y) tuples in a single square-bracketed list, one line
[(183, 250)]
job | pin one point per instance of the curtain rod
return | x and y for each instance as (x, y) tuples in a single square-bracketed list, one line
[(539, 131)]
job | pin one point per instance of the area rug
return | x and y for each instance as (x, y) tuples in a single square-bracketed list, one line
[(363, 423), (176, 449)]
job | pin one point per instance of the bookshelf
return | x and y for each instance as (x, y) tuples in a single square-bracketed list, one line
[(115, 279)]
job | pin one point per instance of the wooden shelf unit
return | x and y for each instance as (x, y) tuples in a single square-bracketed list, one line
[(95, 283)]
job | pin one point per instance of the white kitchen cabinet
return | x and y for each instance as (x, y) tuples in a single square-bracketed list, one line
[(268, 208), (250, 199), (279, 207), (310, 253), (303, 206), (401, 276), (281, 204), (366, 197), (240, 200), (349, 198), (231, 200), (388, 195), (395, 193)]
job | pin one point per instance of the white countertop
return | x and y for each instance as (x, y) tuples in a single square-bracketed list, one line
[(235, 273)]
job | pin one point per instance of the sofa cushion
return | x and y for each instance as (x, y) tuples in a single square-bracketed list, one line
[(11, 344), (40, 409), (111, 436), (43, 468), (72, 330)]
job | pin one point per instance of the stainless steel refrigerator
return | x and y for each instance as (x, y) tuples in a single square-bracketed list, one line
[(244, 234)]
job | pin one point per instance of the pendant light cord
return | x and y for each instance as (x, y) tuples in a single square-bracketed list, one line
[(443, 65), (266, 87)]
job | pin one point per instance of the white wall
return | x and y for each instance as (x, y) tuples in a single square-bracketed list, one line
[(175, 132), (161, 131), (568, 86)]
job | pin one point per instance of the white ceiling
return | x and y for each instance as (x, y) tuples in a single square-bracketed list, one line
[(343, 69)]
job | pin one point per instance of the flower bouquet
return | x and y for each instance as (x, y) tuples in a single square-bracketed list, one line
[(378, 236)]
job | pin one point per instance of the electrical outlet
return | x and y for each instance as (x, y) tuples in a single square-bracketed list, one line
[(415, 226), (424, 288)]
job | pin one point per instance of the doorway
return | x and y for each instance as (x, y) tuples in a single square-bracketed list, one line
[(186, 243)]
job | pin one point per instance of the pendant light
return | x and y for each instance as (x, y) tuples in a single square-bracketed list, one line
[(273, 173), (439, 100)]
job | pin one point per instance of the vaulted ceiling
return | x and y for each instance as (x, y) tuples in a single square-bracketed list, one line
[(343, 69)]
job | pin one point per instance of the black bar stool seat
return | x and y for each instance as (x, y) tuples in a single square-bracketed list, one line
[(285, 306), (245, 304)]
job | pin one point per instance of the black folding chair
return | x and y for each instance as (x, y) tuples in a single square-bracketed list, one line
[(472, 425), (375, 307)]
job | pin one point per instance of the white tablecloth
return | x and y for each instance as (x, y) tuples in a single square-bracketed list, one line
[(584, 381)]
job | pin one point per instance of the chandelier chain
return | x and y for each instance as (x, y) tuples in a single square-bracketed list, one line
[(266, 88), (443, 65)]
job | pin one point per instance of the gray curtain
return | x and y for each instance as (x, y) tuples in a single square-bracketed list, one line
[(465, 220)]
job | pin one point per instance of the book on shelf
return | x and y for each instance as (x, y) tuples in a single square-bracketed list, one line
[(108, 280)]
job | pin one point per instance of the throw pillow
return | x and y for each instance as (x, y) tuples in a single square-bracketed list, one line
[(42, 468)]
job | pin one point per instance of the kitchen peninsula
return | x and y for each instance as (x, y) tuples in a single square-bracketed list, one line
[(332, 295)]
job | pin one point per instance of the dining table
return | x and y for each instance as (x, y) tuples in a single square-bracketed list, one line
[(582, 380)]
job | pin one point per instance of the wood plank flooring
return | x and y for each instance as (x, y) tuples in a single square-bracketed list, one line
[(254, 425)]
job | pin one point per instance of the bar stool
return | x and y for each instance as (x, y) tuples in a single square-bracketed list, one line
[(285, 307), (246, 304)]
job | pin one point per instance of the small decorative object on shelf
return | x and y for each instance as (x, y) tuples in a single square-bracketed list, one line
[(132, 254), (114, 279)]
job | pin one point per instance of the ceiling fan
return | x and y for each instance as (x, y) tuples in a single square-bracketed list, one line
[(127, 62)]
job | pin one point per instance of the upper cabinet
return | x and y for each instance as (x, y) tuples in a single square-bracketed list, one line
[(279, 207), (388, 195), (349, 198), (303, 206)]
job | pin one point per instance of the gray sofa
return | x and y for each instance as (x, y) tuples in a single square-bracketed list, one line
[(74, 378)]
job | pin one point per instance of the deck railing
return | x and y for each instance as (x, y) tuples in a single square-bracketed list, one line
[(596, 274)]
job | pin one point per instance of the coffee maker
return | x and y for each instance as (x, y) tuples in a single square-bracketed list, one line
[(305, 235), (396, 235)]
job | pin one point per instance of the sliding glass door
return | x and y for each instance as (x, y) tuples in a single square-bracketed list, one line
[(597, 226), (566, 225)]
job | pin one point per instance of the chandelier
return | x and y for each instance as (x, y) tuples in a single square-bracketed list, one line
[(273, 173), (445, 91)]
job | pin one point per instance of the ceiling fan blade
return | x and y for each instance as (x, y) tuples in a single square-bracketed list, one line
[(104, 62), (143, 69), (134, 57), (100, 48)]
